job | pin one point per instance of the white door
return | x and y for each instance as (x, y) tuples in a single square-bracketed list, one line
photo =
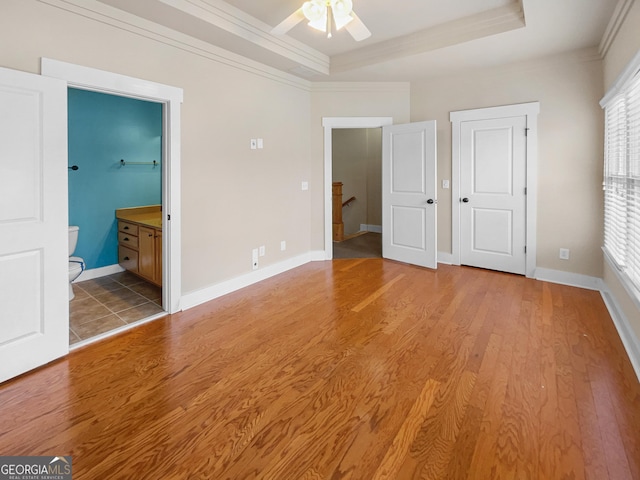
[(409, 200), (492, 194), (34, 322)]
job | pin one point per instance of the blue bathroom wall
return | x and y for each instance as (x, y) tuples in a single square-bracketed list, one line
[(102, 130)]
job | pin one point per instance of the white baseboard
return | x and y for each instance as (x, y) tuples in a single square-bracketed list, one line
[(446, 258), (626, 333), (318, 256), (99, 272), (567, 278), (212, 292), (370, 228)]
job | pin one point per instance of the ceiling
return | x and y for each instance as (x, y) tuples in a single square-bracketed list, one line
[(411, 39)]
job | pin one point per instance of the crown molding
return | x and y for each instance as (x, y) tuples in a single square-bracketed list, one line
[(100, 12), (490, 22), (525, 67), (354, 87), (615, 23), (233, 20)]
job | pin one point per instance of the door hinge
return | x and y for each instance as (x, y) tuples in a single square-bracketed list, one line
[(525, 249), (168, 217), (526, 132), (525, 190)]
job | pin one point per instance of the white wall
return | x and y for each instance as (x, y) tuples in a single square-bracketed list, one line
[(568, 88)]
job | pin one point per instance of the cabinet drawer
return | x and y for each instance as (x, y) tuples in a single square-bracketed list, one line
[(126, 227), (128, 258), (128, 239)]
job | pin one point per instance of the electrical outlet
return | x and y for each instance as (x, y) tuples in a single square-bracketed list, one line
[(564, 254), (260, 143), (262, 250), (283, 246), (254, 258)]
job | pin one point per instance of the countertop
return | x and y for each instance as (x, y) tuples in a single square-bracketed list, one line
[(150, 216)]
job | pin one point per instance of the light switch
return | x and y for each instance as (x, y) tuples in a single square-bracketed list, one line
[(445, 183), (305, 185), (254, 144)]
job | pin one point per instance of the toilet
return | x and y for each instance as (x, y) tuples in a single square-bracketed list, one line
[(76, 264)]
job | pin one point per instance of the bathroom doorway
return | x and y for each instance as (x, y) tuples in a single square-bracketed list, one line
[(114, 153), (170, 100)]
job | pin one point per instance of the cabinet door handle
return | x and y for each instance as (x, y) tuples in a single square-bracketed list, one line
[(126, 227), (151, 234), (126, 239), (126, 258)]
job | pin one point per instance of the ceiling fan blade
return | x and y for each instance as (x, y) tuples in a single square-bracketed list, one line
[(357, 29), (288, 23)]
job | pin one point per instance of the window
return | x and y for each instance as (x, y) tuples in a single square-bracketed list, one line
[(622, 179)]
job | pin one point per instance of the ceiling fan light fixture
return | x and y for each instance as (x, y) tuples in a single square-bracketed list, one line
[(341, 8), (316, 12), (323, 15)]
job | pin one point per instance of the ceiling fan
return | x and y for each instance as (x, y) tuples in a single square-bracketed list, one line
[(322, 15)]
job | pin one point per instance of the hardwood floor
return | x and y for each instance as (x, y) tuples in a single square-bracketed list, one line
[(358, 369)]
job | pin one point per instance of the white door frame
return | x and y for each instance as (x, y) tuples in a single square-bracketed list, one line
[(329, 123), (171, 97), (530, 110)]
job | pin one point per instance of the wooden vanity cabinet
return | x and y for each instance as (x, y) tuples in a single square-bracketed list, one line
[(128, 246), (146, 252), (140, 250)]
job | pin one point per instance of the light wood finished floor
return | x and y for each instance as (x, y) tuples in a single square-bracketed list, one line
[(358, 369)]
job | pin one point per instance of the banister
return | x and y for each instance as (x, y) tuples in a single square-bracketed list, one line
[(348, 202)]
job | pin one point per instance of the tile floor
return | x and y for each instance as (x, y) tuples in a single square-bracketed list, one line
[(106, 303)]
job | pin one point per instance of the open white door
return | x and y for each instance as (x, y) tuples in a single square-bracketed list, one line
[(409, 212), (34, 324)]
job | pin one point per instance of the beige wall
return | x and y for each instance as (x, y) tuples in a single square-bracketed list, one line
[(625, 46), (357, 163), (346, 100), (233, 198), (570, 147)]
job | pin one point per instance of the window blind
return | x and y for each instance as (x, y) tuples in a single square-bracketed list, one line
[(622, 179)]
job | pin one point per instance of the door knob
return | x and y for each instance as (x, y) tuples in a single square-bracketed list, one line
[(430, 201), (465, 200)]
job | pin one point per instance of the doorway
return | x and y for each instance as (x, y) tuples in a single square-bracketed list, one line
[(357, 176), (114, 153), (170, 99), (408, 187), (329, 125), (494, 187)]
